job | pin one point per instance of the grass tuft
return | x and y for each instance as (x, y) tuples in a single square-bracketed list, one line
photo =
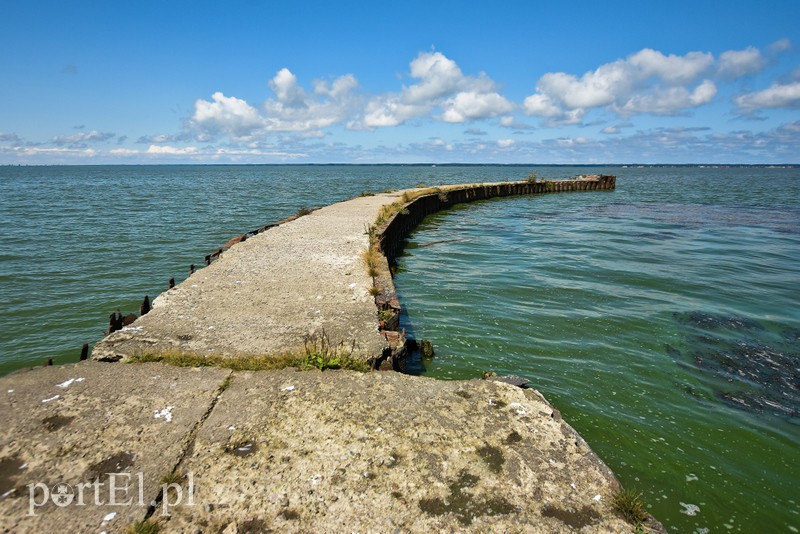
[(386, 212), (171, 478), (630, 506), (263, 362), (322, 354), (372, 259)]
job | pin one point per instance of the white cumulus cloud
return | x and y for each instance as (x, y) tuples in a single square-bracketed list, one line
[(439, 76), (669, 100), (738, 63), (470, 105), (227, 115), (776, 96), (292, 109), (671, 69), (440, 85), (647, 81), (295, 110), (171, 150)]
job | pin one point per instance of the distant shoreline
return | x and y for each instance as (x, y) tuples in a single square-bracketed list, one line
[(432, 164)]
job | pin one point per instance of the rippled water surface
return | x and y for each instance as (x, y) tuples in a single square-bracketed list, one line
[(662, 318)]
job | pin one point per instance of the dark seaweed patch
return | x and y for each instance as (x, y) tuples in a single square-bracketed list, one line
[(116, 463), (54, 422), (9, 471), (791, 335), (253, 526), (760, 368), (463, 504), (579, 518), (493, 457), (513, 437), (710, 321)]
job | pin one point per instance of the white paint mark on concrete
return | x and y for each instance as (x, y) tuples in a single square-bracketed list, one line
[(166, 414), (517, 407), (68, 383)]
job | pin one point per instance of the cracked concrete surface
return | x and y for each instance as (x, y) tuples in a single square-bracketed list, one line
[(73, 424), (293, 451)]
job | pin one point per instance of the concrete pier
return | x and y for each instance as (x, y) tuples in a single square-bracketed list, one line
[(106, 447), (268, 294)]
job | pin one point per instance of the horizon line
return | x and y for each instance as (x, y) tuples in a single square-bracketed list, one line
[(416, 164)]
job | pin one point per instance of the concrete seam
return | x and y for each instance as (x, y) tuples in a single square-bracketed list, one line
[(188, 443)]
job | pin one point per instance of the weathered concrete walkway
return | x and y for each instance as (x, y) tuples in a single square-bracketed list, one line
[(292, 451), (267, 294)]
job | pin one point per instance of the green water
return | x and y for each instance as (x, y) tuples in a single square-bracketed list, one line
[(661, 319), (80, 242)]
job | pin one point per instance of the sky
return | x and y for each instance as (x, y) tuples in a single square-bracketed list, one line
[(402, 82)]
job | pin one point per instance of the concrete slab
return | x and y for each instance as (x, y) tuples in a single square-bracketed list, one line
[(339, 451), (70, 425)]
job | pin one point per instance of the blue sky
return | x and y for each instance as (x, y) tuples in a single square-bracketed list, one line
[(371, 82)]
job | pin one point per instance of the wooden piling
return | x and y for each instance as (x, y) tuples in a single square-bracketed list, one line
[(145, 306)]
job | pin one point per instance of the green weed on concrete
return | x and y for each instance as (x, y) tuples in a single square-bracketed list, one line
[(322, 354), (319, 353), (628, 504)]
